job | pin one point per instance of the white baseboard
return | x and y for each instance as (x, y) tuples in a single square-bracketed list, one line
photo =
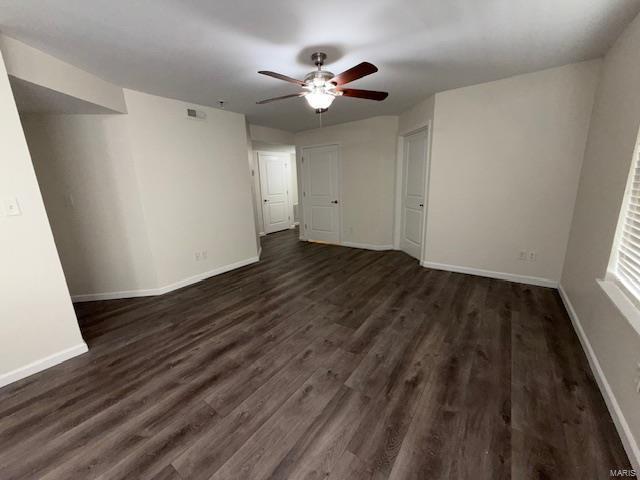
[(260, 251), (538, 281), (42, 364), (90, 297), (367, 246), (261, 234), (628, 440)]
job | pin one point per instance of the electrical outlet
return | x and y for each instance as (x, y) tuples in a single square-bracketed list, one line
[(197, 255), (533, 256), (523, 256), (204, 254)]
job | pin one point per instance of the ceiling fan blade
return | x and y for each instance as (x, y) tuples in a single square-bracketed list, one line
[(279, 76), (269, 100), (367, 94), (354, 73)]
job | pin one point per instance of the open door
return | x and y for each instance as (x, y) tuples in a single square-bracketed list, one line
[(274, 186)]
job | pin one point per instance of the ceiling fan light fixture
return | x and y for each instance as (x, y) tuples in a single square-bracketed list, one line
[(321, 87), (319, 99)]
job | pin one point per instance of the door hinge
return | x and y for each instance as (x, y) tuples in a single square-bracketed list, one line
[(302, 160), (305, 226), (253, 173), (304, 194)]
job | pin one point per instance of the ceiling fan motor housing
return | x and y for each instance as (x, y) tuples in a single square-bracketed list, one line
[(318, 58), (318, 77)]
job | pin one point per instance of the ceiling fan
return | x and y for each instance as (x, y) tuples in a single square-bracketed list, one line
[(321, 87)]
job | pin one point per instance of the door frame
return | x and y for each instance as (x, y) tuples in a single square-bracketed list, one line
[(399, 200), (302, 172), (260, 199)]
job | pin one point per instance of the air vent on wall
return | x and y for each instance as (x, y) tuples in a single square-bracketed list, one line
[(196, 114)]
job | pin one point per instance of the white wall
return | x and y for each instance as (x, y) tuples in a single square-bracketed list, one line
[(88, 180), (32, 65), (39, 327), (607, 160), (506, 157), (194, 183), (368, 164)]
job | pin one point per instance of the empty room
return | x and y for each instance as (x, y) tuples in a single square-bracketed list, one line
[(385, 240)]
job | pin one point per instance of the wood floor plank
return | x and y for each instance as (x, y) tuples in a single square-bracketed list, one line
[(319, 361), (266, 448), (319, 449)]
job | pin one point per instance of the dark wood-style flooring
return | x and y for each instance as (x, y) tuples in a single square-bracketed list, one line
[(319, 362)]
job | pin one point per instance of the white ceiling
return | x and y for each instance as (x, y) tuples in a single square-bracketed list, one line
[(203, 51)]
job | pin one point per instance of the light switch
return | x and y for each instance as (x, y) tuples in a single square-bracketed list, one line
[(12, 207)]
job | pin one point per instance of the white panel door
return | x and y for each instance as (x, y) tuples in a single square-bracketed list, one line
[(274, 181), (413, 193), (321, 207)]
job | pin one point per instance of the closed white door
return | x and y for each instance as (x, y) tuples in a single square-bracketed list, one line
[(321, 207), (413, 193), (274, 181)]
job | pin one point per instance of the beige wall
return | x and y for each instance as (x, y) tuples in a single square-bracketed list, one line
[(27, 63), (36, 314), (269, 135), (194, 184), (133, 198), (607, 160), (417, 117), (88, 180), (368, 163), (506, 156)]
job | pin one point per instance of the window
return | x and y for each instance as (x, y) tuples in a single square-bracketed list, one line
[(624, 267)]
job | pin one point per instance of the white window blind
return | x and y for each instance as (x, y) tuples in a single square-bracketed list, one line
[(627, 264)]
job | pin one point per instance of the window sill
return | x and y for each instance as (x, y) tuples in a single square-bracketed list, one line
[(625, 306)]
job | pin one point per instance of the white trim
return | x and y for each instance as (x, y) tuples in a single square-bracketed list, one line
[(628, 440), (90, 297), (42, 364), (511, 277), (366, 246), (261, 234), (260, 251)]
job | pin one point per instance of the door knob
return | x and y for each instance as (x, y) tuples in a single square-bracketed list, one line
[(265, 200), (334, 201), (422, 204)]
